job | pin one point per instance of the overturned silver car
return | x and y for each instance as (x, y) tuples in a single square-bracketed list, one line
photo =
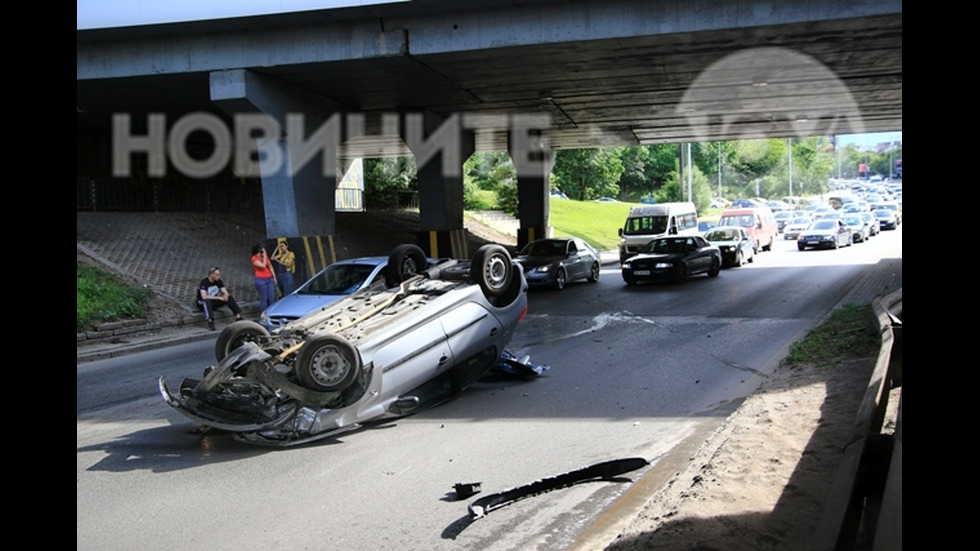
[(377, 354)]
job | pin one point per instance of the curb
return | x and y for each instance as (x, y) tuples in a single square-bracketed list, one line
[(117, 349)]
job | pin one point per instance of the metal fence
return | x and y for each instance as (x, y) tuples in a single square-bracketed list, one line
[(126, 195), (864, 510)]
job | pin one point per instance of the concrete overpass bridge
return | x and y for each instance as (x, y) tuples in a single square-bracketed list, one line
[(440, 79)]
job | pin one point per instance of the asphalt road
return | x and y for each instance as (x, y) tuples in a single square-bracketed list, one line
[(646, 371)]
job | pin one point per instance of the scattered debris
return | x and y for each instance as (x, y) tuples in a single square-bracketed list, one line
[(601, 471), (512, 365), (466, 489)]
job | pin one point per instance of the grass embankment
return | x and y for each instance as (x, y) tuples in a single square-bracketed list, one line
[(849, 332), (597, 223), (102, 297)]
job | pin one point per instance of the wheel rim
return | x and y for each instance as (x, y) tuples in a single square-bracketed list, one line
[(329, 366), (560, 279), (409, 267), (495, 271)]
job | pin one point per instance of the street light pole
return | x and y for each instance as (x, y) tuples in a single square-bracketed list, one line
[(719, 170), (789, 142)]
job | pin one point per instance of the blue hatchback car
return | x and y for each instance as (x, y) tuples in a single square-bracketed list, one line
[(329, 285)]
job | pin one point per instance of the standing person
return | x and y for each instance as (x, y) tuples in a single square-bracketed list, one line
[(265, 276), (212, 294), (285, 266)]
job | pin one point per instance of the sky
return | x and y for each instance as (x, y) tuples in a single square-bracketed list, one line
[(98, 14), (868, 140)]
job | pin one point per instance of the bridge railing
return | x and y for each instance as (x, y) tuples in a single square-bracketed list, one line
[(864, 509)]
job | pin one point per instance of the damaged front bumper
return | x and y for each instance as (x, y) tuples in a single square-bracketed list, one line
[(245, 393)]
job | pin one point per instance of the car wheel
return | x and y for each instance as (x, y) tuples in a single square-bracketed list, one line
[(680, 273), (739, 259), (715, 268), (560, 279), (800, 247), (594, 273), (237, 334), (492, 269), (406, 261), (327, 363), (629, 279), (769, 246)]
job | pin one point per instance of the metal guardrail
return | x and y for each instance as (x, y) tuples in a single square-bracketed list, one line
[(864, 509)]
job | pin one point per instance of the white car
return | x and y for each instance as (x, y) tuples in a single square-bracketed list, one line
[(796, 225), (379, 353)]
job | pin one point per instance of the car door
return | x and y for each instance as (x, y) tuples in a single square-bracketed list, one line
[(843, 232), (698, 259), (414, 357), (579, 261)]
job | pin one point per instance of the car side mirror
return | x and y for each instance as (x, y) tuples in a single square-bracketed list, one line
[(620, 232)]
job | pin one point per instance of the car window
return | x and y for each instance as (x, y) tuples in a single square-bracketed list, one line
[(338, 279), (544, 248)]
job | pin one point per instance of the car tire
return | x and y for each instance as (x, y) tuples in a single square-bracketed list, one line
[(405, 262), (492, 269), (715, 268), (237, 334), (800, 247), (594, 272), (560, 279), (630, 280), (739, 259), (327, 363)]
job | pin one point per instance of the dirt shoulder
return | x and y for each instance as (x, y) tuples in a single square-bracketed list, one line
[(761, 481)]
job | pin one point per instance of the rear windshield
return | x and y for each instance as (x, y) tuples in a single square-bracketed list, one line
[(744, 220)]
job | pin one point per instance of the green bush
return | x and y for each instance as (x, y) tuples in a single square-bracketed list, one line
[(101, 297)]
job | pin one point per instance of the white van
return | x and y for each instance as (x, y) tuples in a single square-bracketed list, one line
[(649, 221)]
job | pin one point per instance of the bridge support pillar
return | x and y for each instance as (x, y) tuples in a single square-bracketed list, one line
[(440, 146), (296, 202), (533, 159)]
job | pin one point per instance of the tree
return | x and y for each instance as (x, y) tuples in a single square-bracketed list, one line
[(662, 161), (633, 179), (386, 178), (586, 174), (671, 191), (487, 171)]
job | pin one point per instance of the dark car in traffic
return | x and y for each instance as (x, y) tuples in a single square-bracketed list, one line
[(555, 262), (826, 233), (887, 218), (672, 259)]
